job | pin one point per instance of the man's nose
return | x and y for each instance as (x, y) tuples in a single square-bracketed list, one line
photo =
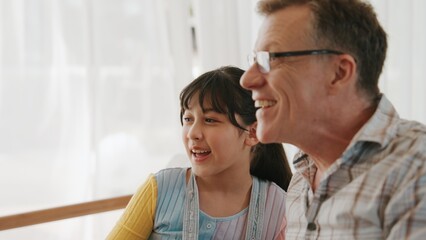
[(252, 78)]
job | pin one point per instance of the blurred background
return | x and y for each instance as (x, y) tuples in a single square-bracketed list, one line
[(89, 93)]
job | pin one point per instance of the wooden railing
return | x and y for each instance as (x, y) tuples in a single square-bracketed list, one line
[(64, 212)]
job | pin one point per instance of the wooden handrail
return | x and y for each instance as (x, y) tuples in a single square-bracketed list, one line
[(59, 213)]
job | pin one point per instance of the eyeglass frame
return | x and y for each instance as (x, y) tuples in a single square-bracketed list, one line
[(252, 58)]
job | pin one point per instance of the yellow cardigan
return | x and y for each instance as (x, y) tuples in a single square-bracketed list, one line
[(137, 220)]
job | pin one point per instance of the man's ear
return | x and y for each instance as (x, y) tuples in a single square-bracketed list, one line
[(344, 72), (251, 138)]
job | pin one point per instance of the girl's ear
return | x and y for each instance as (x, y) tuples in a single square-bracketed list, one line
[(251, 138)]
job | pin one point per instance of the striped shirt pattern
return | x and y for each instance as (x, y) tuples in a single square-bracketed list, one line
[(375, 190)]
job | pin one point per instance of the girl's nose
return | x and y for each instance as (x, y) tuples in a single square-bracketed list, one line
[(195, 132)]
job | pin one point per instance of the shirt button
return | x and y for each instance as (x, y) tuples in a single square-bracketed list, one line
[(209, 225), (312, 226)]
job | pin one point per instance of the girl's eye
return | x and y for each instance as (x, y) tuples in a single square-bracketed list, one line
[(210, 120), (187, 119)]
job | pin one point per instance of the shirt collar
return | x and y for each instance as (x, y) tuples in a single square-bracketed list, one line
[(380, 128)]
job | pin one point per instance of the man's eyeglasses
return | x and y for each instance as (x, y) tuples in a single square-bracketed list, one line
[(263, 58)]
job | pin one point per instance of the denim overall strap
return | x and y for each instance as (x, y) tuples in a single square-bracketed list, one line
[(191, 211), (256, 209), (255, 214)]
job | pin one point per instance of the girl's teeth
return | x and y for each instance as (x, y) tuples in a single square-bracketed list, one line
[(199, 151)]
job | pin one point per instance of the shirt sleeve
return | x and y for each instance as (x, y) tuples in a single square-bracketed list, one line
[(137, 220)]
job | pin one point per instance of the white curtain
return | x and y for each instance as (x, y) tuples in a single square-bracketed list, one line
[(225, 32), (89, 92), (404, 76), (88, 103)]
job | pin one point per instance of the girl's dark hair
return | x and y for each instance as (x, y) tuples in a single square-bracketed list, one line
[(226, 96)]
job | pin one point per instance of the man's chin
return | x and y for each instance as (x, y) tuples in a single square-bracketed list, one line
[(264, 136)]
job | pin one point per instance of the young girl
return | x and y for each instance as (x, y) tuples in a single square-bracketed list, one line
[(234, 189)]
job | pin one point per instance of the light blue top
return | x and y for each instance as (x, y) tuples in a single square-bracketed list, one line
[(267, 203)]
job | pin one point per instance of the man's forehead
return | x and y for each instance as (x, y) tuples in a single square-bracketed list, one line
[(285, 27)]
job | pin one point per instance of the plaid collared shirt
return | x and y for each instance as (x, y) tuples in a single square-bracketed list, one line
[(375, 190)]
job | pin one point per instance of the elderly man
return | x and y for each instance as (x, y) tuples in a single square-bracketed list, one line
[(314, 74)]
